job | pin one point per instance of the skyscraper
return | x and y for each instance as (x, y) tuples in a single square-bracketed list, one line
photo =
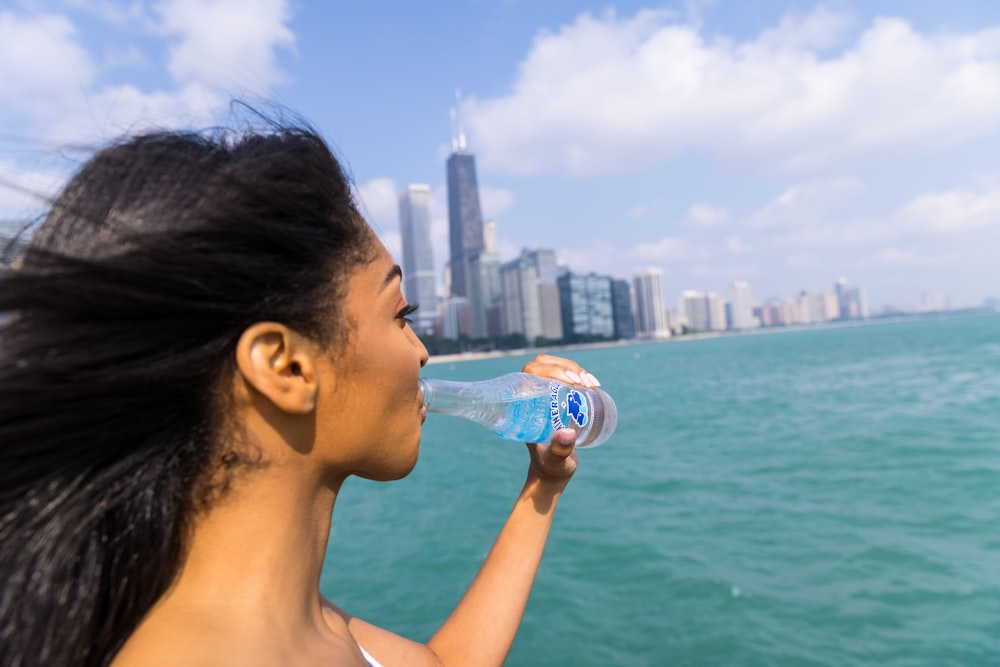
[(586, 303), (742, 306), (520, 309), (621, 306), (418, 255), (694, 309), (853, 301), (715, 305), (484, 286), (650, 314), (465, 218), (544, 261)]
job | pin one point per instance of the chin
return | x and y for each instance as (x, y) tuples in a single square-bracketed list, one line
[(399, 469)]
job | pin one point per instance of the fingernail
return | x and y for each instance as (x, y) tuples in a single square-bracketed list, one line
[(574, 377), (565, 436), (590, 380)]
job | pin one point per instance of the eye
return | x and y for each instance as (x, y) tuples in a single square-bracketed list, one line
[(406, 311)]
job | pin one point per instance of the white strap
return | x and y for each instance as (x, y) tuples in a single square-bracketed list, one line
[(372, 662)]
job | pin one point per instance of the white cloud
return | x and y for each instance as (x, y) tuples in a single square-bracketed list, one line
[(901, 257), (806, 204), (116, 13), (801, 261), (378, 201), (818, 30), (58, 94), (228, 44), (608, 93), (393, 242), (41, 61), (666, 249), (495, 201), (736, 246), (706, 215), (951, 212)]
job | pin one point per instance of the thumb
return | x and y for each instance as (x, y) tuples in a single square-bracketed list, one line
[(563, 442)]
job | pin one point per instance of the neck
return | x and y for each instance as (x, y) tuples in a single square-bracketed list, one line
[(260, 550)]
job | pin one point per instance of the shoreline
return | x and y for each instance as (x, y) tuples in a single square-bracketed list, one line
[(552, 349)]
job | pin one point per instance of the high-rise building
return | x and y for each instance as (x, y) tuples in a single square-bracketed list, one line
[(742, 306), (520, 309), (454, 317), (621, 307), (650, 312), (544, 261), (586, 304), (694, 309), (484, 287), (418, 255), (715, 305), (465, 218), (853, 301), (803, 308)]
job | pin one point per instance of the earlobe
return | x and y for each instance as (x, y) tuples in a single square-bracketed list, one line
[(279, 364)]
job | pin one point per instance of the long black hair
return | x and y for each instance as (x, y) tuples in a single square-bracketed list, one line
[(118, 324)]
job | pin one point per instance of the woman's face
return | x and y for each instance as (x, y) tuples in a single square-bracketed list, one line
[(370, 407)]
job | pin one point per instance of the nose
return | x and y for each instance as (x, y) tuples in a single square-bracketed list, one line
[(419, 345)]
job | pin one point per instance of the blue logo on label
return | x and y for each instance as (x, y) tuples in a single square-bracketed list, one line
[(577, 407)]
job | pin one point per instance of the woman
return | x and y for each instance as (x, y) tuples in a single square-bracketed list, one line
[(202, 342)]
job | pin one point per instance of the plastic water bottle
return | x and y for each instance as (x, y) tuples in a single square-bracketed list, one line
[(526, 408)]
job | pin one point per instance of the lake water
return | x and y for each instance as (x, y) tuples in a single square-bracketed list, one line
[(815, 497)]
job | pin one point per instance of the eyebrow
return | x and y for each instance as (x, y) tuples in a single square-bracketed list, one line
[(394, 272)]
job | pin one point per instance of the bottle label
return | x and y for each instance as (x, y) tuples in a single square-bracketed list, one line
[(570, 409)]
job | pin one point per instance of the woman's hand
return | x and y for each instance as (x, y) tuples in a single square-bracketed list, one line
[(556, 461)]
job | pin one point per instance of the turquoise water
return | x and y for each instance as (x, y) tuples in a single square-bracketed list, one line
[(805, 498)]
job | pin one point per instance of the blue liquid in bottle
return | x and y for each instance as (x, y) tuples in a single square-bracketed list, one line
[(526, 408)]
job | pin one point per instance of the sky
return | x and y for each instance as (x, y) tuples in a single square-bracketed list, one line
[(787, 144)]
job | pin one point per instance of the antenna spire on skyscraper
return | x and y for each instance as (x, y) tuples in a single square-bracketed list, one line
[(457, 134)]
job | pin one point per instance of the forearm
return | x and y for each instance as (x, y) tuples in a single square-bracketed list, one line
[(481, 629)]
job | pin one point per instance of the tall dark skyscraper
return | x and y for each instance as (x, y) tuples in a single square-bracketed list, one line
[(465, 218)]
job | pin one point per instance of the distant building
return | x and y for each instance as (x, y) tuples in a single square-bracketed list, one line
[(546, 269), (454, 317), (418, 255), (520, 309), (485, 289), (465, 218), (742, 307), (650, 312), (933, 302), (802, 308), (621, 309), (716, 308), (694, 310), (853, 301), (586, 304)]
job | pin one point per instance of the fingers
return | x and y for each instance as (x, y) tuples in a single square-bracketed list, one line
[(560, 368), (555, 461), (563, 442)]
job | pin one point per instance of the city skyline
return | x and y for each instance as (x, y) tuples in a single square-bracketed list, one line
[(779, 143)]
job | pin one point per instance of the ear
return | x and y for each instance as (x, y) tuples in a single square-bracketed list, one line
[(280, 364)]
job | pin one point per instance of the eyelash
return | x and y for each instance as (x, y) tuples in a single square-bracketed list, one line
[(406, 311)]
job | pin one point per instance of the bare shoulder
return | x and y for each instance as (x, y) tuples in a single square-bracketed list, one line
[(196, 639)]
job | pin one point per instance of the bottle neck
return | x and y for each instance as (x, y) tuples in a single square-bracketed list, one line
[(448, 397)]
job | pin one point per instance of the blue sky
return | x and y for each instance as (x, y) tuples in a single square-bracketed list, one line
[(783, 143)]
